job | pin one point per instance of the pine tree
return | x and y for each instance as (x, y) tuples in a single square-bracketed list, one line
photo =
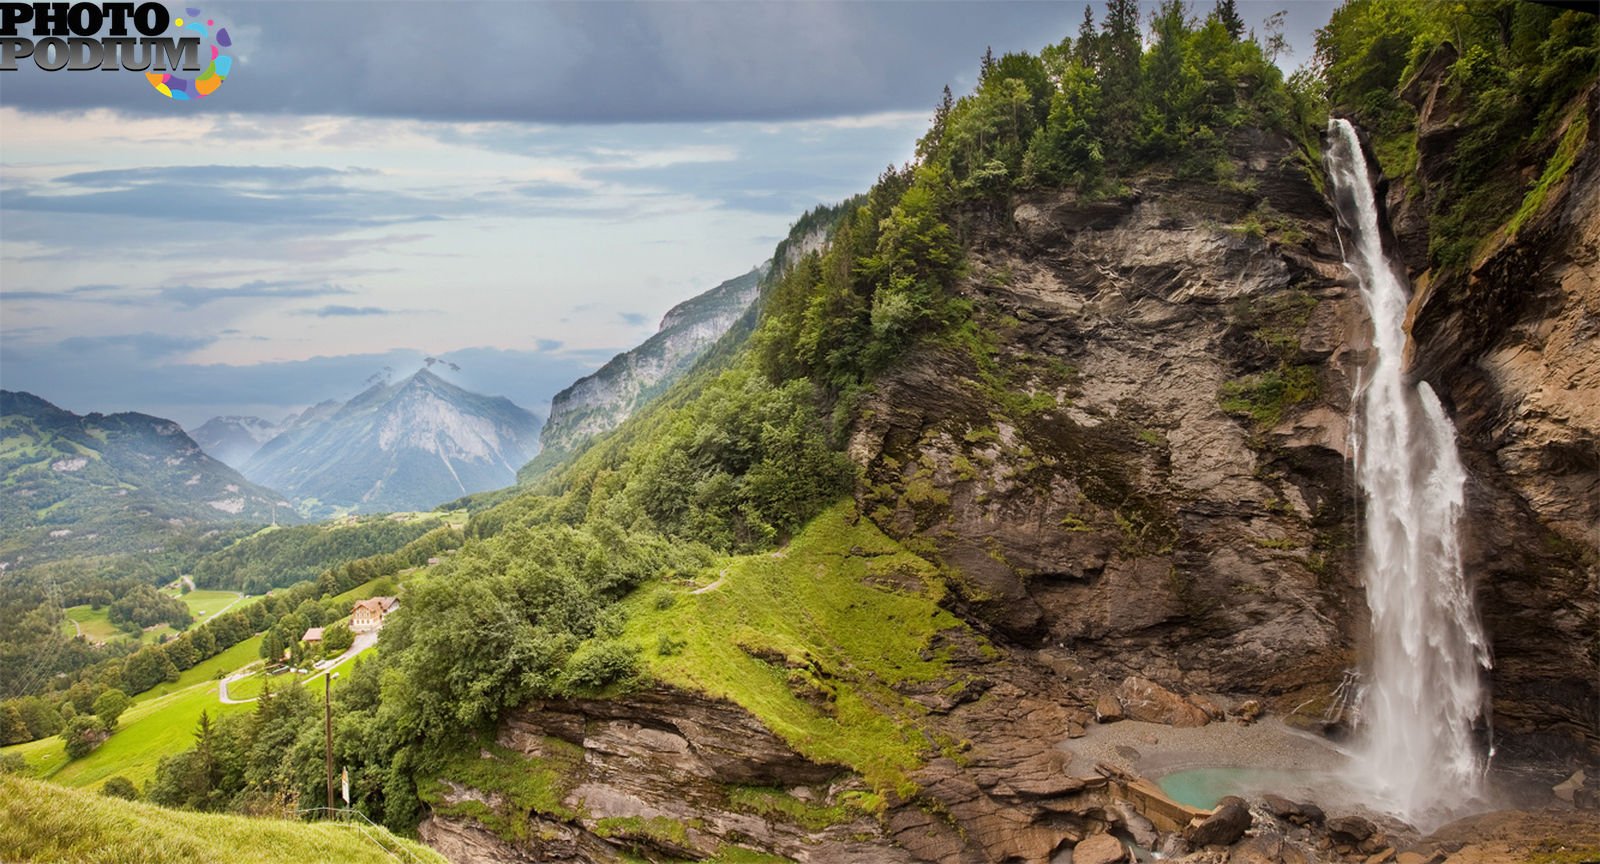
[(1228, 13), (1120, 50), (1087, 50), (987, 63)]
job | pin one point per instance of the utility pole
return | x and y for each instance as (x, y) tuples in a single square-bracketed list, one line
[(327, 716)]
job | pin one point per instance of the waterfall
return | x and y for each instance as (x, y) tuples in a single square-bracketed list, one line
[(1424, 692)]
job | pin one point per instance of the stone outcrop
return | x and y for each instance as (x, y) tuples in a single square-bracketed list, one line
[(1143, 699)]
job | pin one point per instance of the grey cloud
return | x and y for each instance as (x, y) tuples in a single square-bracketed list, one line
[(584, 62), (634, 319), (193, 296), (349, 311), (208, 175), (145, 346)]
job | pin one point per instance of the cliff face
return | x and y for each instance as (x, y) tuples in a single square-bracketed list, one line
[(598, 403), (1512, 344), (1148, 462)]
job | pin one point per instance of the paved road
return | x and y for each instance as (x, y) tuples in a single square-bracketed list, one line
[(362, 642)]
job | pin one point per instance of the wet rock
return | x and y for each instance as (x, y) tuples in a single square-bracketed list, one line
[(1294, 812), (1354, 830), (1143, 699), (1223, 827), (1142, 830), (1100, 849), (1294, 853)]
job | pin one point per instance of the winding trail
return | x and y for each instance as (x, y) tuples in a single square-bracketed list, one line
[(362, 642)]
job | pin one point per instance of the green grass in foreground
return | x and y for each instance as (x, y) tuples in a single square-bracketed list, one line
[(43, 822), (850, 612)]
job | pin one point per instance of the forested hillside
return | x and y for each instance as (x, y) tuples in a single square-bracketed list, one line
[(79, 486)]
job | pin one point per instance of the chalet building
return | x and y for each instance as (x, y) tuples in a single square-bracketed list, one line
[(369, 614), (313, 636)]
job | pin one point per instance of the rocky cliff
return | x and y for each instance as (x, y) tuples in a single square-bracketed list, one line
[(1512, 344), (599, 402)]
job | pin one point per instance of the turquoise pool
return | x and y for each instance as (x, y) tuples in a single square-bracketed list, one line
[(1204, 787)]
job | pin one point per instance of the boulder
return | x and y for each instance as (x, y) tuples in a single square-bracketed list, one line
[(1108, 709), (1248, 711), (1294, 812), (1212, 710), (1567, 789), (1100, 849), (1223, 827), (1351, 829), (1143, 699)]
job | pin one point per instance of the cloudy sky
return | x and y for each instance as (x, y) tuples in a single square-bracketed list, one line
[(523, 188)]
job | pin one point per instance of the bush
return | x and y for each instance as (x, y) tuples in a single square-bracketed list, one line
[(337, 638), (599, 664), (120, 787), (12, 763)]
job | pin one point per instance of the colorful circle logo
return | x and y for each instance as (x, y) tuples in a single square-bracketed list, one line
[(216, 71)]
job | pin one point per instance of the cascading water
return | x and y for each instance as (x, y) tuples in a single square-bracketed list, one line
[(1424, 692)]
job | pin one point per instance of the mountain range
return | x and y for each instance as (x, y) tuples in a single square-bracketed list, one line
[(396, 446), (109, 482), (233, 439)]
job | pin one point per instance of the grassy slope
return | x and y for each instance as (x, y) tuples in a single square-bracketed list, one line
[(851, 612), (204, 603), (147, 731), (43, 822), (161, 722), (93, 624), (97, 627)]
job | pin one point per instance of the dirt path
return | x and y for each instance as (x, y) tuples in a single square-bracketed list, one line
[(362, 642), (714, 585)]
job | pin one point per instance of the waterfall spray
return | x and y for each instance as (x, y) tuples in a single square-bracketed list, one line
[(1424, 691)]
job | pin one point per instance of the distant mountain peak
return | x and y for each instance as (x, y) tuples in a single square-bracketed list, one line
[(408, 445)]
